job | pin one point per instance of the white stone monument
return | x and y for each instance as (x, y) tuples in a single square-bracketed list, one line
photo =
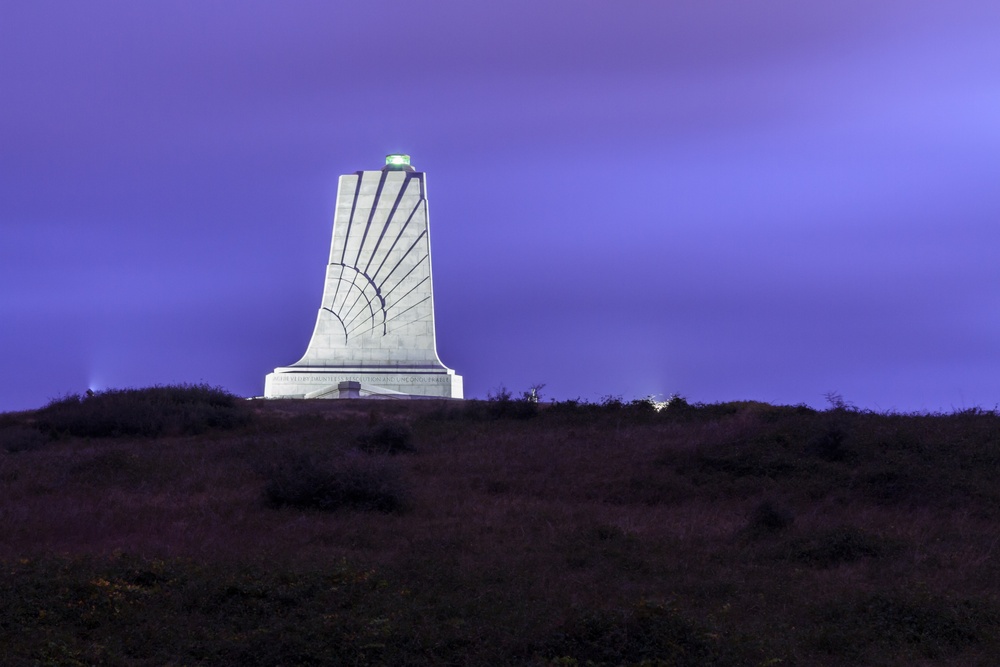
[(374, 335)]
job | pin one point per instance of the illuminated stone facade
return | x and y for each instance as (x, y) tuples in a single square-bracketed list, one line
[(374, 334)]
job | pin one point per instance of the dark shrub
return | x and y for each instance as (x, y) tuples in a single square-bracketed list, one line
[(498, 487), (677, 403), (747, 460), (501, 405), (839, 545), (500, 394), (471, 410), (831, 445), (571, 406), (110, 467), (305, 482), (18, 438), (652, 488), (387, 438), (612, 402), (837, 402), (889, 487), (519, 409), (605, 546), (643, 405), (768, 519), (167, 410)]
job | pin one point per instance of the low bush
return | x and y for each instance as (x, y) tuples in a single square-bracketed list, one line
[(501, 405), (832, 546), (768, 518), (569, 407), (150, 412), (655, 487), (604, 546), (744, 460), (106, 468), (17, 438), (308, 482), (387, 438), (831, 445), (677, 404), (889, 486)]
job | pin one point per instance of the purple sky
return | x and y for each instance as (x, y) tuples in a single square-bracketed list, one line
[(727, 199)]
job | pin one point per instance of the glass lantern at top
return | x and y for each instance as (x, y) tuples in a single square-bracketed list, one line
[(397, 160)]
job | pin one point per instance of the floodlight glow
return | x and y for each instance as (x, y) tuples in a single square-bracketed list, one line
[(397, 160)]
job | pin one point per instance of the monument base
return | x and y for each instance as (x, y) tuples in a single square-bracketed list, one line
[(318, 382)]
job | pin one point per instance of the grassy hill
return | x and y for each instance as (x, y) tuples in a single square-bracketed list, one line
[(183, 526)]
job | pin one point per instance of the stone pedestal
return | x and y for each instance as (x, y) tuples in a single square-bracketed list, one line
[(374, 334), (311, 384)]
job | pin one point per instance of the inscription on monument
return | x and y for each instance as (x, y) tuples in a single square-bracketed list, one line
[(331, 378)]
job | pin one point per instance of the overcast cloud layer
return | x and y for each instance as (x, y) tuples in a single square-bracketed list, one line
[(727, 199)]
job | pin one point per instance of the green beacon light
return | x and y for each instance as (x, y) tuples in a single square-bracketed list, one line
[(398, 161)]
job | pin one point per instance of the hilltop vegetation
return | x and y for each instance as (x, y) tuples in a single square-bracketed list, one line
[(181, 525)]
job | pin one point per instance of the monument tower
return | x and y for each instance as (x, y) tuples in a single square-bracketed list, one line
[(374, 335)]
